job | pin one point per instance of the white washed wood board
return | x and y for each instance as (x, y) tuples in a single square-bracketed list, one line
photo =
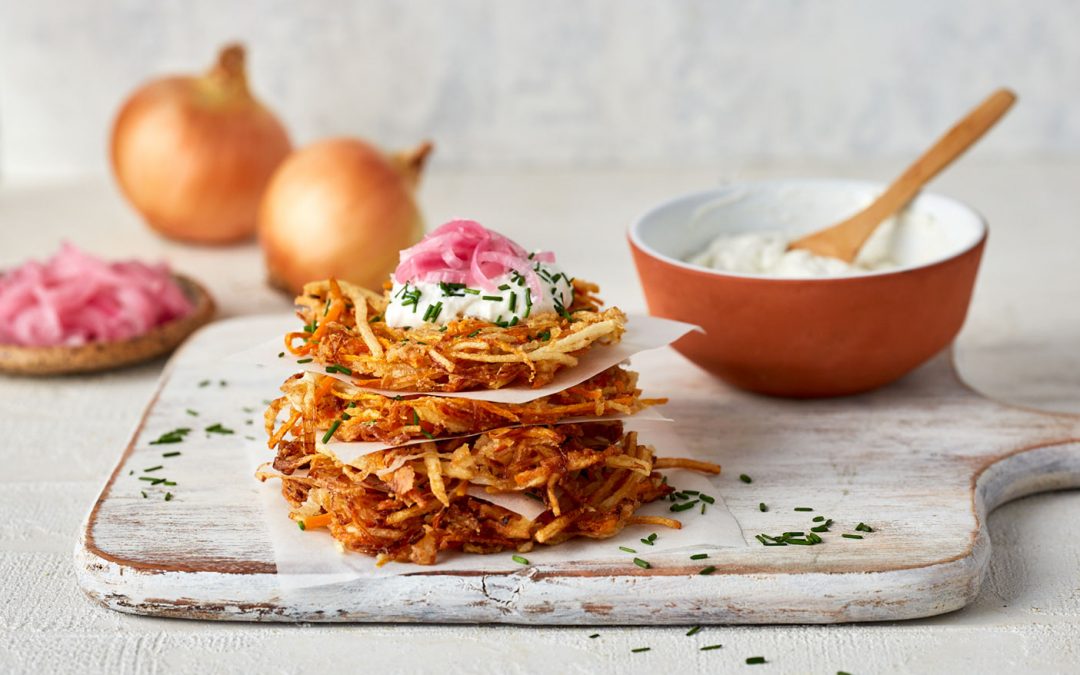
[(923, 461)]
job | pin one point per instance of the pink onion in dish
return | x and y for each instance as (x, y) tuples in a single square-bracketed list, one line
[(466, 252), (74, 298)]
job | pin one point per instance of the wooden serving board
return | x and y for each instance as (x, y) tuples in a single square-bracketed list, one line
[(922, 462)]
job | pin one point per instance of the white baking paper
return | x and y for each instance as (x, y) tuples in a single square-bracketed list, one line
[(312, 558), (643, 333), (348, 452)]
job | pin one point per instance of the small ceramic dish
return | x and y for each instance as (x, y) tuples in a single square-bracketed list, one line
[(809, 336), (20, 360)]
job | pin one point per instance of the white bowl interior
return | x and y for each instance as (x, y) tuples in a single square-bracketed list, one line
[(933, 228)]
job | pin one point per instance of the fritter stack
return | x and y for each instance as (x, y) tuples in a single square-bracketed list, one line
[(437, 486)]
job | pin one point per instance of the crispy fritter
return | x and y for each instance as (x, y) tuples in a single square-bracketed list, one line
[(366, 416), (408, 504), (344, 328)]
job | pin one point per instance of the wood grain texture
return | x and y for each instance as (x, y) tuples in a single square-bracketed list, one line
[(922, 461)]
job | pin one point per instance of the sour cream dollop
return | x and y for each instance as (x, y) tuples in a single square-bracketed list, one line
[(462, 269)]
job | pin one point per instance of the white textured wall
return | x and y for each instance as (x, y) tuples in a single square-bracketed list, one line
[(600, 82)]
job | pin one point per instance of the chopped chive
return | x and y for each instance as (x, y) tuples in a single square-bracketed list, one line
[(863, 527), (338, 369), (474, 333), (707, 570), (471, 291), (707, 499), (690, 492), (755, 660), (153, 468), (174, 453), (193, 413), (803, 508), (204, 383), (818, 519), (157, 481), (761, 507), (168, 496), (520, 560), (513, 302), (693, 631), (132, 472), (851, 536), (169, 483), (301, 525), (647, 542), (820, 528), (797, 533), (281, 355), (330, 432), (746, 479), (708, 648), (143, 493), (148, 479), (627, 550), (642, 564), (307, 360), (594, 636), (652, 537), (684, 506), (640, 649), (702, 508), (496, 298), (699, 556), (222, 383), (504, 287), (218, 429)]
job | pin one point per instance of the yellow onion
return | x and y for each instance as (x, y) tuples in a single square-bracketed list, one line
[(340, 208), (193, 154)]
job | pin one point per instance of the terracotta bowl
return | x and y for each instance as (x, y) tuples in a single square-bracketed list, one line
[(42, 361), (809, 337)]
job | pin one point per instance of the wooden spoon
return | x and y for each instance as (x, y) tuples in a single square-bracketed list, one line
[(844, 239)]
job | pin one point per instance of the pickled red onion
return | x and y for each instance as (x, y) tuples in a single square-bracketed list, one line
[(466, 252), (74, 298)]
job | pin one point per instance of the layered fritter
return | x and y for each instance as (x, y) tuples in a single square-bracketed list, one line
[(344, 330)]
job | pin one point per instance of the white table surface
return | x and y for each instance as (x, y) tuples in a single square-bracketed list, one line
[(63, 436)]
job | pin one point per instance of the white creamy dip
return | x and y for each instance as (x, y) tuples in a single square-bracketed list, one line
[(414, 303), (766, 252)]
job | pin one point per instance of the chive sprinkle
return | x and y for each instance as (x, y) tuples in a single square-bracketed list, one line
[(169, 483), (863, 527), (307, 360), (143, 493), (803, 508), (818, 519), (626, 549), (699, 556), (148, 479), (707, 499), (705, 571), (204, 383), (693, 631), (153, 468), (755, 660), (330, 432), (762, 507), (338, 369), (520, 560), (746, 479), (647, 542), (474, 333), (301, 525), (642, 564), (640, 649), (851, 536), (168, 496), (842, 672), (709, 648), (684, 506), (218, 429), (193, 413), (820, 528), (594, 636), (496, 298)]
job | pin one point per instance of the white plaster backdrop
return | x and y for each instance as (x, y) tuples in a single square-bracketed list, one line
[(512, 83)]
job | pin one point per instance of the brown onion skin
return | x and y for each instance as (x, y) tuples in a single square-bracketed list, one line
[(194, 154), (340, 208)]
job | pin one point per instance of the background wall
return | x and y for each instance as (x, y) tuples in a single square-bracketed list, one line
[(600, 82)]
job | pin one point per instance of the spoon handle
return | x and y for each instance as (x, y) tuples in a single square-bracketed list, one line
[(844, 239)]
